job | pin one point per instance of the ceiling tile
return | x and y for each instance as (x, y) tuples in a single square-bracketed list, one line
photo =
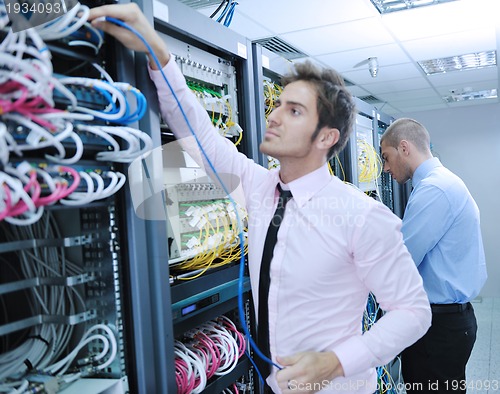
[(345, 61), (451, 44), (464, 77), (408, 94), (341, 34), (340, 37), (292, 15), (452, 17), (390, 73), (401, 85)]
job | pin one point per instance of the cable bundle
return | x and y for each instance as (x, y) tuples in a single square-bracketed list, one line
[(21, 202), (214, 350), (29, 121), (226, 16), (132, 137), (215, 104), (118, 109), (46, 343), (369, 163), (272, 91), (95, 189), (372, 312), (71, 24), (84, 367), (216, 242)]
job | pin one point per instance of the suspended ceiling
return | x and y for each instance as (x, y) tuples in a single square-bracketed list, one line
[(344, 33)]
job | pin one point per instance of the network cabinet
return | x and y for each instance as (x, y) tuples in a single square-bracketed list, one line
[(186, 288), (63, 271)]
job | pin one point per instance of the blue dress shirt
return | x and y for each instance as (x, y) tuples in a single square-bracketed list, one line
[(441, 230)]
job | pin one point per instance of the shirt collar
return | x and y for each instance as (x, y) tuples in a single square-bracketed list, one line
[(305, 187), (423, 169)]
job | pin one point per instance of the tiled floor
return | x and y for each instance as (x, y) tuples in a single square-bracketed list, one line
[(483, 369)]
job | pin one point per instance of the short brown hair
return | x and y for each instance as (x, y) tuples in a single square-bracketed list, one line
[(335, 106), (410, 130)]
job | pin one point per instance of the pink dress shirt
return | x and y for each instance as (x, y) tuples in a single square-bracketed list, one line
[(335, 245)]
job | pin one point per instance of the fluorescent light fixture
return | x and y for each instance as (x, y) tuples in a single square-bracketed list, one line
[(386, 6), (465, 96), (470, 61)]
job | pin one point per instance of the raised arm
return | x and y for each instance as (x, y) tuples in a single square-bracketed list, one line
[(132, 15)]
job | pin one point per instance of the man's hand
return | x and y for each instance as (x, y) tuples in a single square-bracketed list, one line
[(132, 15), (308, 372)]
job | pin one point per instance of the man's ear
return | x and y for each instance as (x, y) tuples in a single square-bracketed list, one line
[(328, 137), (405, 147)]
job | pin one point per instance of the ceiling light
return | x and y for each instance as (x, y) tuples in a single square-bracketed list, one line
[(386, 6), (466, 95), (471, 61)]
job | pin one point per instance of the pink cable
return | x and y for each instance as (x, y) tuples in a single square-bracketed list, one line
[(8, 105), (52, 197), (74, 184), (180, 376), (240, 337), (33, 185), (214, 351)]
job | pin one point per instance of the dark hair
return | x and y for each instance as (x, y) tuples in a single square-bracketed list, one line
[(336, 106)]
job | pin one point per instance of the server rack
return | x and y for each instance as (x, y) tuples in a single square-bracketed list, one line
[(355, 152), (169, 307), (268, 69), (66, 271)]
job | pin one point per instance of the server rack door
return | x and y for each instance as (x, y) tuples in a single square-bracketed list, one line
[(197, 287)]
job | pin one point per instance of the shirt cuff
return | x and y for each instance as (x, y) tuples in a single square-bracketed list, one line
[(354, 356)]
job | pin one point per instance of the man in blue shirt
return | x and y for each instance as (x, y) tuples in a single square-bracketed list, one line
[(441, 230)]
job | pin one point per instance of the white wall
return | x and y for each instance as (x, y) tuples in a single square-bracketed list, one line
[(467, 140)]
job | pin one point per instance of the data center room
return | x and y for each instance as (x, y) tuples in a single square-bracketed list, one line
[(124, 261)]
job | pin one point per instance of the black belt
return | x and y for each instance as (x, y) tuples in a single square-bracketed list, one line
[(449, 308)]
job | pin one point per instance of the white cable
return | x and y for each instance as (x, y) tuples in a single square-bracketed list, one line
[(131, 150), (110, 189), (195, 367), (18, 191), (97, 131), (78, 153), (37, 134), (65, 25), (100, 185), (90, 83), (133, 138), (103, 72), (4, 146), (81, 198)]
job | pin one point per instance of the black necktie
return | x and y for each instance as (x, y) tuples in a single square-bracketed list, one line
[(265, 280)]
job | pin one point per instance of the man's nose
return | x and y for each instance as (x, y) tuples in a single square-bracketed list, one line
[(273, 117)]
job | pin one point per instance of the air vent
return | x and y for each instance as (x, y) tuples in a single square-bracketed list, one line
[(348, 83), (200, 3), (280, 47), (371, 99)]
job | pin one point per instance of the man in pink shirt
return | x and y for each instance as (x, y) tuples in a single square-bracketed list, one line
[(335, 245)]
